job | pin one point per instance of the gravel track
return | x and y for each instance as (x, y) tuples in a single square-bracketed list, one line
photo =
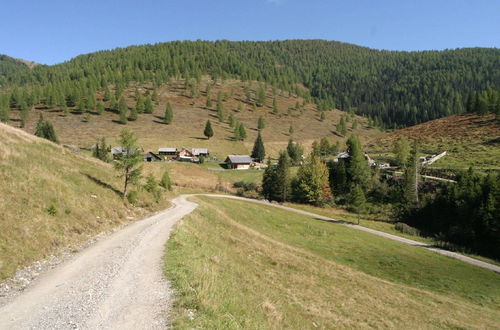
[(115, 284), (118, 283)]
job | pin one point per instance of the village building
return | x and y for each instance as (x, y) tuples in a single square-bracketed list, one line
[(238, 162), (152, 157), (200, 152), (167, 152), (186, 155), (120, 151)]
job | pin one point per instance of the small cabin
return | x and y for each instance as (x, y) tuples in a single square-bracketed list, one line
[(200, 152), (152, 157), (238, 162), (186, 155)]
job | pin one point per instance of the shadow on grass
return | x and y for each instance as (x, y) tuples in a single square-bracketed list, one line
[(103, 184)]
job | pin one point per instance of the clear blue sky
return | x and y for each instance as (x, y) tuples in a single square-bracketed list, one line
[(53, 31)]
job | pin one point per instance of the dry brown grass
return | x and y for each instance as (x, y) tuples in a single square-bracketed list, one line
[(189, 121), (470, 140), (35, 175)]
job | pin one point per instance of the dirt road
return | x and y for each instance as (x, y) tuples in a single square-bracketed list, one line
[(451, 254), (115, 284), (118, 284)]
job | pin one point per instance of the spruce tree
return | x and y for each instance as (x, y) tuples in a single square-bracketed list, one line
[(401, 150), (242, 132), (276, 110), (133, 114), (139, 104), (232, 121), (357, 167), (4, 114), (165, 181), (127, 163), (148, 105), (169, 114), (322, 116), (258, 151), (410, 184), (261, 123), (261, 96), (122, 109), (208, 104), (208, 132), (100, 107)]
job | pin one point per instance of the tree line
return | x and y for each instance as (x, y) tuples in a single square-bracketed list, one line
[(392, 88)]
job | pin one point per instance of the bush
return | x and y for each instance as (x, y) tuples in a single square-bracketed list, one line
[(132, 197), (165, 181), (201, 159), (405, 229), (52, 209), (246, 186)]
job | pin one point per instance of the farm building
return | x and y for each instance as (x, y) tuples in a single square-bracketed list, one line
[(186, 155), (238, 162), (152, 157), (120, 151), (200, 152), (167, 151)]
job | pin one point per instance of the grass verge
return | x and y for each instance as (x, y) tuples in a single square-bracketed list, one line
[(240, 265)]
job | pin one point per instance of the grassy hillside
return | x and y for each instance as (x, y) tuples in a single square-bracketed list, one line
[(469, 140), (191, 114), (52, 198), (241, 265)]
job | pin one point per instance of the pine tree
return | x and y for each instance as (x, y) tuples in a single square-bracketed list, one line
[(357, 200), (261, 123), (357, 167), (127, 163), (169, 114), (294, 151), (261, 96), (276, 110), (242, 132), (133, 114), (148, 105), (402, 150), (139, 104), (258, 151), (122, 109), (322, 116), (410, 185), (165, 181), (232, 121), (276, 180), (4, 114), (290, 130), (208, 104), (208, 132), (100, 107), (44, 129)]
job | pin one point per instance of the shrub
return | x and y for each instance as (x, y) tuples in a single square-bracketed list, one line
[(132, 197), (165, 181), (405, 229), (52, 209)]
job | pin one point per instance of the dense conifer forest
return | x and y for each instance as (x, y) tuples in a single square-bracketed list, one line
[(394, 88)]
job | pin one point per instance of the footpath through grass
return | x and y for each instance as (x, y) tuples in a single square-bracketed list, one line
[(240, 265)]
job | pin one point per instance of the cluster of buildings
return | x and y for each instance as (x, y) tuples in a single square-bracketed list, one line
[(238, 162)]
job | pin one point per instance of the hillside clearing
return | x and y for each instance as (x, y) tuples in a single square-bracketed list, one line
[(282, 270)]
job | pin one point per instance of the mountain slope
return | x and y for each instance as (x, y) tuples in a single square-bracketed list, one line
[(52, 198), (469, 140), (396, 88), (191, 114), (9, 65)]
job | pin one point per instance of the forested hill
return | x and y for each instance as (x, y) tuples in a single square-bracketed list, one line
[(394, 88), (9, 65)]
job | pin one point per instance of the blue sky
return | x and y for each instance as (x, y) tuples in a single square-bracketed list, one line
[(53, 31)]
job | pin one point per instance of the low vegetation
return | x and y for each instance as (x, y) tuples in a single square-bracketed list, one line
[(253, 266), (52, 198)]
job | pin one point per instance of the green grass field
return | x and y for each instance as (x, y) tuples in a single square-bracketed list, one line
[(240, 265)]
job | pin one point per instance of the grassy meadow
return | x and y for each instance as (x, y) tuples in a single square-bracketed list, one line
[(240, 265)]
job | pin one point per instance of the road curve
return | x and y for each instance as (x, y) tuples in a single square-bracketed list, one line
[(118, 284), (115, 284), (447, 253)]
